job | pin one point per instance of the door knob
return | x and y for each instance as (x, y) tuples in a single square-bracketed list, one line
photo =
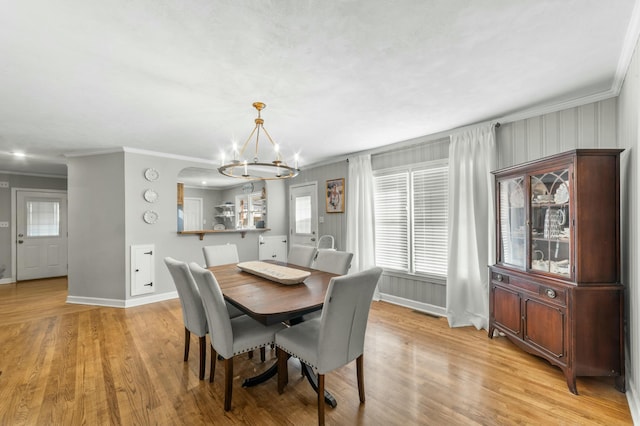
[(313, 239), (20, 241), (21, 235)]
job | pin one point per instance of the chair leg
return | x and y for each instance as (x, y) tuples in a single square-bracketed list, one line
[(262, 354), (228, 382), (212, 371), (321, 399), (360, 373), (283, 373), (203, 355), (187, 341)]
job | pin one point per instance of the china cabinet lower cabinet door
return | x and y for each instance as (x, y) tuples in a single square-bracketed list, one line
[(506, 310), (544, 327)]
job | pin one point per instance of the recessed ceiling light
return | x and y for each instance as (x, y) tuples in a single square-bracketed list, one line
[(204, 182), (19, 154)]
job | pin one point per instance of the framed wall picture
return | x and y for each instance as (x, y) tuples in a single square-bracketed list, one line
[(335, 195)]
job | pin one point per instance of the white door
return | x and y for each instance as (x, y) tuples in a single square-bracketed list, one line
[(41, 234), (303, 214), (193, 214)]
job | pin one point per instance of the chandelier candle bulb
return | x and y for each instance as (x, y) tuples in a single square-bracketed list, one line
[(246, 173)]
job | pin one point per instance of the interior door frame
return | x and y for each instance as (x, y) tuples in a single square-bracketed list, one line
[(14, 228)]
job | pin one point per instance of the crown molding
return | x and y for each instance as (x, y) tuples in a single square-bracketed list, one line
[(34, 174), (549, 108), (628, 48), (130, 150)]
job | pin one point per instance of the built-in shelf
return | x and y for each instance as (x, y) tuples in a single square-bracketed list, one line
[(242, 232)]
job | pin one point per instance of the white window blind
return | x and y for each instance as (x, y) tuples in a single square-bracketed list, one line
[(43, 219), (430, 221), (411, 219), (392, 220)]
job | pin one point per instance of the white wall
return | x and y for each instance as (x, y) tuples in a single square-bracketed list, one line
[(628, 104), (106, 205), (96, 227), (592, 125)]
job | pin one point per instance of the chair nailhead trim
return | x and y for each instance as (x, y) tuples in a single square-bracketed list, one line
[(252, 348), (296, 356)]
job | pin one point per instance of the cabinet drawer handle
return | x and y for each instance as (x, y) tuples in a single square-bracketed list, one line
[(551, 293), (499, 277)]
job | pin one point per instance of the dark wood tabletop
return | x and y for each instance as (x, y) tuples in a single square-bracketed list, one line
[(270, 302)]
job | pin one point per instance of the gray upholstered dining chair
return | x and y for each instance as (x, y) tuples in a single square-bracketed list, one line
[(301, 255), (333, 261), (222, 254), (232, 336), (334, 339), (193, 315)]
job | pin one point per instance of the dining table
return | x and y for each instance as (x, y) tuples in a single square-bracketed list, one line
[(271, 302)]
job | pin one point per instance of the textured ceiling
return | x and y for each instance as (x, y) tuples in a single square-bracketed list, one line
[(179, 76)]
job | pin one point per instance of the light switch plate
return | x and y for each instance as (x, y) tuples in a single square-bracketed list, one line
[(4, 224), (321, 219), (4, 184)]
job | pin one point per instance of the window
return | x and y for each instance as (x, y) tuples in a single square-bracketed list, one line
[(43, 218), (250, 210), (303, 215), (411, 219)]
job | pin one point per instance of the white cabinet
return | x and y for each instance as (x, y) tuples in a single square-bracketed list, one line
[(272, 248)]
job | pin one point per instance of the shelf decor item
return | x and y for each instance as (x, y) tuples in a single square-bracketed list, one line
[(555, 289)]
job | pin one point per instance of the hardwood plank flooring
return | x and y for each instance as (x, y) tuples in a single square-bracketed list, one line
[(63, 364)]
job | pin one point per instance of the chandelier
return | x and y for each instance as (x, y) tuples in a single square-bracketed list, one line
[(240, 167)]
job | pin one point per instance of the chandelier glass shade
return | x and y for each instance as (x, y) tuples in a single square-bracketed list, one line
[(257, 169)]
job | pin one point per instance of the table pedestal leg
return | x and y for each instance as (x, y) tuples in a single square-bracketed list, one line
[(306, 370), (262, 377)]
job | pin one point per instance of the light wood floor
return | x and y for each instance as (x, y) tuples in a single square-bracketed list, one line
[(71, 364)]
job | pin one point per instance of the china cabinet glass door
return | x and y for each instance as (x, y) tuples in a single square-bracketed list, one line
[(512, 221), (550, 249)]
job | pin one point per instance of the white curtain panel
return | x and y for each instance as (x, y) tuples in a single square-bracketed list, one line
[(360, 219), (472, 157)]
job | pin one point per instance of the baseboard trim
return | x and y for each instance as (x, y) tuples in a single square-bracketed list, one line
[(118, 303), (7, 281), (145, 300), (634, 401), (418, 306)]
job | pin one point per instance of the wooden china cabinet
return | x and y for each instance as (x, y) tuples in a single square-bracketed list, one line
[(555, 289)]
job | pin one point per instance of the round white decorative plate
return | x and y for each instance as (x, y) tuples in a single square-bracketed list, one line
[(150, 216), (219, 227), (562, 193), (150, 196), (151, 174)]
